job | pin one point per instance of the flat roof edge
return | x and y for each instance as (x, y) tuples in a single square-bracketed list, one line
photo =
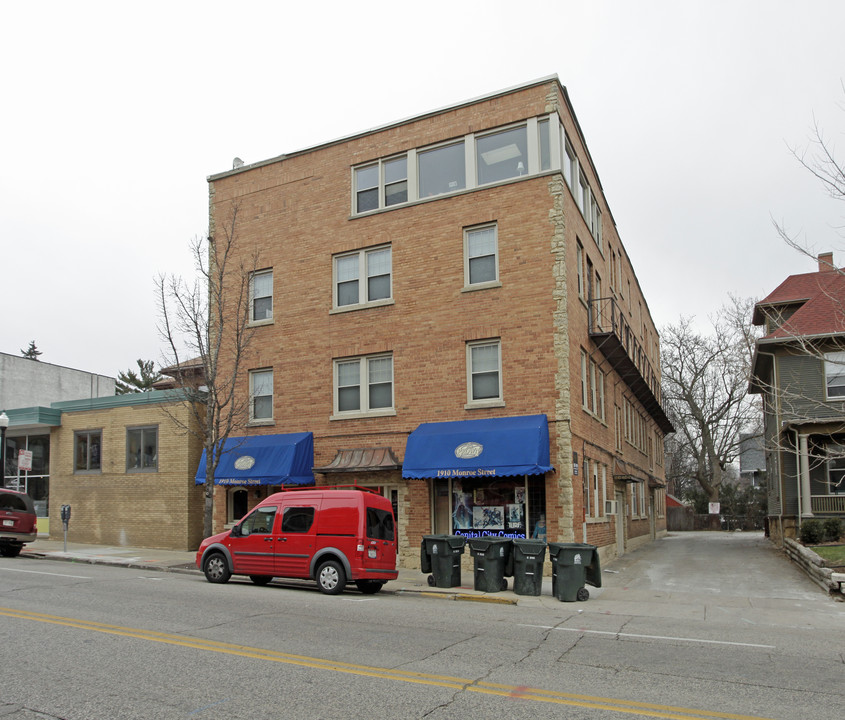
[(388, 126)]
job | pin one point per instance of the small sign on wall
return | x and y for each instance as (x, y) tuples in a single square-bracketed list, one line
[(24, 459), (714, 508)]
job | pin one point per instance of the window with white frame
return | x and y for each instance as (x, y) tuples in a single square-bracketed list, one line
[(544, 140), (498, 155), (587, 488), (585, 383), (261, 296), (597, 223), (598, 500), (579, 267), (441, 170), (381, 184), (592, 386), (834, 374), (570, 166), (260, 395), (502, 155), (481, 255), (635, 503), (363, 385), (583, 196), (836, 469), (142, 449), (363, 277), (484, 369), (87, 447)]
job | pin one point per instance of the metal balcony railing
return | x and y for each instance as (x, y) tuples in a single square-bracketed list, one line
[(614, 336)]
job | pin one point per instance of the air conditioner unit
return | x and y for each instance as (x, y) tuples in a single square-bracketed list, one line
[(610, 507)]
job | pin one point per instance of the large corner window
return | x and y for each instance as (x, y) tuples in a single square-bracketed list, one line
[(363, 277), (834, 375), (481, 255), (502, 155), (475, 160), (484, 370), (142, 449), (261, 395), (442, 170), (261, 296), (87, 446), (363, 386)]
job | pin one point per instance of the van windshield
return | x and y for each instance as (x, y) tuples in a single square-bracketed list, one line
[(379, 524)]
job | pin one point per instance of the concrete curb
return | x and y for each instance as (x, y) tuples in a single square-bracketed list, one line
[(446, 594)]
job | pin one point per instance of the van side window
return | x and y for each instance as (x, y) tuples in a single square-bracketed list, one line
[(297, 519), (379, 524), (259, 522)]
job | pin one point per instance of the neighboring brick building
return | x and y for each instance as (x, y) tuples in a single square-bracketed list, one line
[(457, 267), (126, 467)]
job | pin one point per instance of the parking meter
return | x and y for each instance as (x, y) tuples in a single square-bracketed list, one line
[(65, 514)]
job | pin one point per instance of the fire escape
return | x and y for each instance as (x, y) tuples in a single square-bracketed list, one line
[(616, 340)]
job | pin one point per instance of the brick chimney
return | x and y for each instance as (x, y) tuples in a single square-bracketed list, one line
[(826, 262)]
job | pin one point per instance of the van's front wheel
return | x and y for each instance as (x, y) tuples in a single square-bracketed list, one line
[(331, 578), (216, 568)]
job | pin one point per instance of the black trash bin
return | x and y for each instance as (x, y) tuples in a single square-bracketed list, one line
[(441, 556), (492, 559), (528, 559), (573, 566)]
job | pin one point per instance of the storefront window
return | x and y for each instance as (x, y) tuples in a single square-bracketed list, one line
[(34, 482), (506, 507)]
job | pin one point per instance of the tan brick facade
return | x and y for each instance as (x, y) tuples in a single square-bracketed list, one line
[(113, 506), (297, 213)]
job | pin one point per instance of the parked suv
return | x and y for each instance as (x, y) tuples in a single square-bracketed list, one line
[(18, 522), (328, 535)]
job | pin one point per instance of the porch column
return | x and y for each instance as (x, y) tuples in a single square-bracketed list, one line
[(804, 475)]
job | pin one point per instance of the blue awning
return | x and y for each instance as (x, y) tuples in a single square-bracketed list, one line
[(264, 460), (487, 448)]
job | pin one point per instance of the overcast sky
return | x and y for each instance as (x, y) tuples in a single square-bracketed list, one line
[(113, 115)]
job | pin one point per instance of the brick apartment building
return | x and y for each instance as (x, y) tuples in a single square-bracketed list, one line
[(444, 303)]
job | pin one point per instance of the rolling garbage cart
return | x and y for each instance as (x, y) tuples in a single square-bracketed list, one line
[(440, 555), (528, 559), (573, 566), (492, 559)]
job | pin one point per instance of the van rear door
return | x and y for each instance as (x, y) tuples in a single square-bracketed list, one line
[(380, 543)]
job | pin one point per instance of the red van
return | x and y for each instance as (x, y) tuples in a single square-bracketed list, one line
[(18, 522), (328, 535)]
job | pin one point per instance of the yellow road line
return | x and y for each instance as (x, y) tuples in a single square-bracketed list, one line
[(517, 692)]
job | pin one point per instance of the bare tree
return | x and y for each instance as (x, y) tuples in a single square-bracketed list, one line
[(205, 326), (818, 157), (705, 379)]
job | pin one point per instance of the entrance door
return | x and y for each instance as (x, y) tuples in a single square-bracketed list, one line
[(442, 508), (620, 523)]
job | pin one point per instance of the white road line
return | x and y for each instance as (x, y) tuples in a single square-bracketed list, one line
[(38, 572), (652, 637)]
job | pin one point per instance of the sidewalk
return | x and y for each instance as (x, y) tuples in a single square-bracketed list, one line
[(409, 581)]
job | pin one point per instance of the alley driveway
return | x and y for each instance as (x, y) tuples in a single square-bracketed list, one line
[(735, 577)]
